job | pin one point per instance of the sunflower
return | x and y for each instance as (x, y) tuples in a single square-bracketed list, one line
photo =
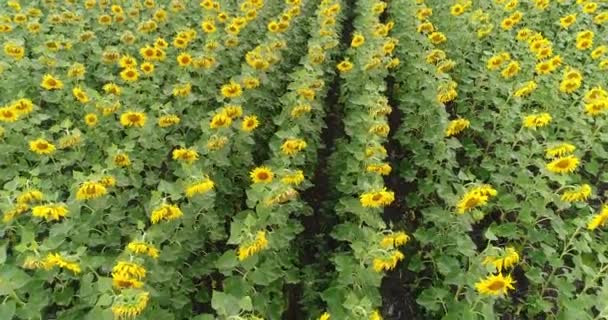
[(127, 61), (577, 194), (504, 261), (565, 164), (456, 126), (57, 260), (42, 146), (122, 160), (231, 90), (567, 21), (166, 212), (470, 201), (220, 120), (123, 281), (258, 244), (147, 68), (325, 316), (345, 66), (383, 169), (129, 304), (496, 285), (51, 211), (598, 220), (129, 74), (389, 263), (30, 196), (437, 38), (23, 106), (168, 120), (261, 175), (91, 190), (559, 150), (294, 178), (376, 199), (9, 114), (129, 269), (200, 187), (133, 119), (49, 82), (511, 70), (526, 89), (185, 155), (90, 119), (358, 40), (80, 95), (107, 181), (184, 59), (537, 120), (140, 247), (112, 88), (292, 146), (457, 10)]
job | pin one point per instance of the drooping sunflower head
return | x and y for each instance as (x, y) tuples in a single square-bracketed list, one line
[(496, 285)]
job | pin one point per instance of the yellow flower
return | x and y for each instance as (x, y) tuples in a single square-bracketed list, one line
[(456, 126), (470, 201), (208, 26), (14, 212), (381, 168), (90, 119), (569, 85), (30, 196), (123, 281), (259, 243), (147, 68), (437, 38), (598, 52), (184, 59), (129, 269), (122, 160), (567, 21), (186, 155), (579, 193), (565, 164), (426, 27), (166, 212), (345, 66), (457, 10), (112, 88), (526, 89), (133, 119), (559, 150), (250, 123), (200, 187), (358, 40), (511, 70), (233, 111), (129, 74), (23, 106), (376, 199), (537, 120), (394, 240), (80, 95), (42, 146), (495, 61), (57, 260), (295, 178), (523, 34), (584, 44), (292, 146), (544, 67), (168, 120), (261, 175), (220, 120), (91, 190), (231, 90), (51, 211), (129, 305), (49, 82), (148, 53), (127, 61), (496, 285), (14, 51), (507, 24), (182, 90), (598, 220), (325, 316), (140, 247), (589, 7), (108, 181), (506, 260), (387, 264), (375, 315)]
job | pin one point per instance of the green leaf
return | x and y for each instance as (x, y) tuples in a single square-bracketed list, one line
[(225, 304), (7, 309)]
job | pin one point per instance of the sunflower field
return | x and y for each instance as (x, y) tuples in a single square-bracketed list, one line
[(303, 159)]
